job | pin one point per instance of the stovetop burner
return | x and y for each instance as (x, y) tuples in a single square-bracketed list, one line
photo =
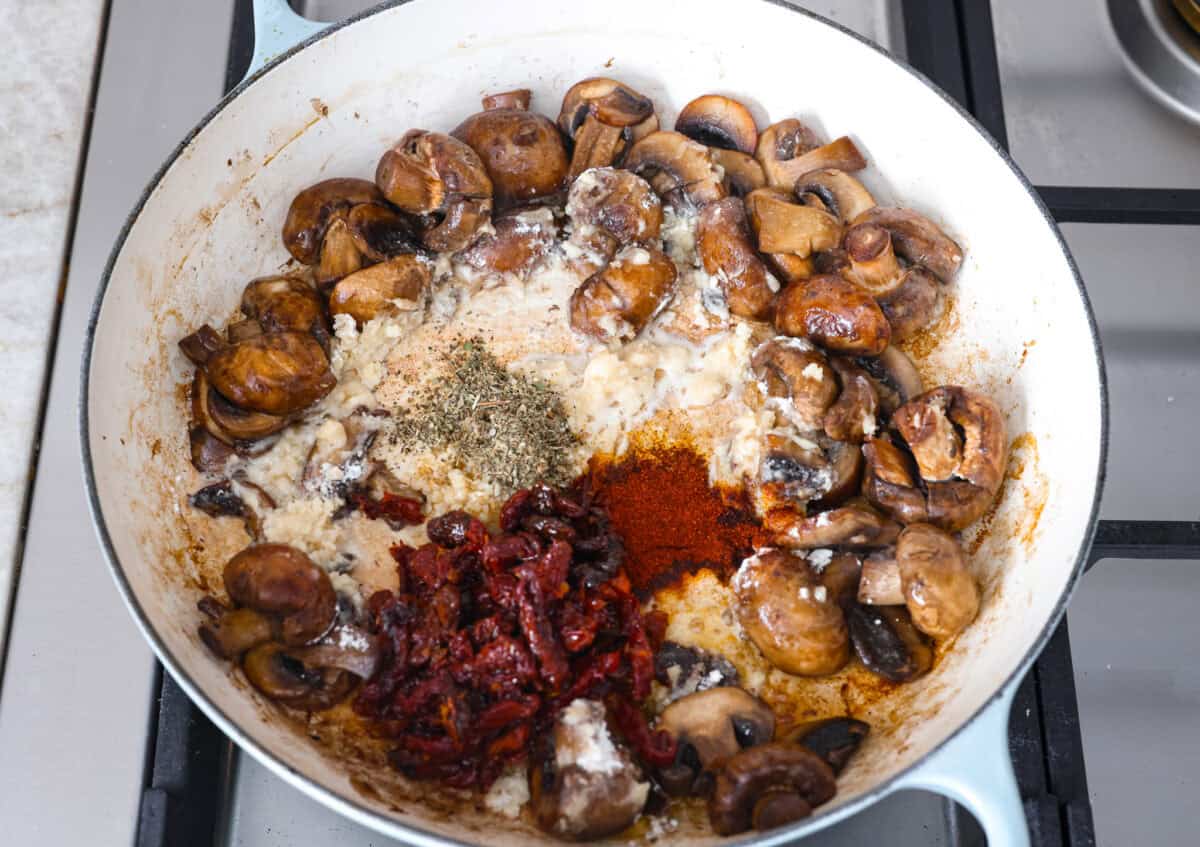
[(1160, 42)]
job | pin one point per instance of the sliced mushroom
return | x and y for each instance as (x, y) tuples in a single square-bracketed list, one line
[(841, 154), (853, 416), (718, 723), (743, 173), (759, 773), (616, 303), (280, 580), (389, 287), (231, 632), (778, 146), (845, 472), (200, 345), (687, 168), (793, 470), (379, 233), (717, 121), (873, 263), (347, 648), (587, 787), (912, 304), (620, 203), (278, 373), (834, 314), (209, 453), (895, 377), (786, 611), (523, 153), (835, 740), (789, 267), (597, 145), (339, 255), (245, 500), (684, 670), (917, 239), (225, 421), (316, 207), (429, 173), (889, 482), (784, 226), (931, 437), (844, 196), (522, 238), (612, 102), (282, 303), (725, 247), (887, 643), (940, 593), (879, 584), (515, 99), (287, 680), (792, 368), (853, 525)]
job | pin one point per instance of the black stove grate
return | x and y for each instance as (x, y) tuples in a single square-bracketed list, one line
[(953, 43)]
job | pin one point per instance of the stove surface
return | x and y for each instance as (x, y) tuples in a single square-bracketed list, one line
[(1074, 118)]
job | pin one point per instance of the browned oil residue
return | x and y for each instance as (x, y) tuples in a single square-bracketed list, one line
[(927, 340)]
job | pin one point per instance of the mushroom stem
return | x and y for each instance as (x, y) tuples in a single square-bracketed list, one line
[(879, 584), (873, 263)]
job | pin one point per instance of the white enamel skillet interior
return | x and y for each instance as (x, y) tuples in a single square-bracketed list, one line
[(1022, 330)]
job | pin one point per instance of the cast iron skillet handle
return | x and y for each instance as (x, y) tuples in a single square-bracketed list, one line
[(276, 30), (975, 769)]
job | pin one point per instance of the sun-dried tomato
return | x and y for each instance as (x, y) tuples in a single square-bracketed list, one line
[(397, 510), (653, 748)]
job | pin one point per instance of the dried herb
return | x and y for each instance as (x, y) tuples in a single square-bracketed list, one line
[(503, 426)]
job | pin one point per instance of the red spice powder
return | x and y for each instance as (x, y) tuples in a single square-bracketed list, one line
[(670, 519)]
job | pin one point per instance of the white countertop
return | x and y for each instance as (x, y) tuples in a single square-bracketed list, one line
[(46, 73)]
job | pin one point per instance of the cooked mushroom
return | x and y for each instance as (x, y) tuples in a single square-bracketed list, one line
[(687, 168), (684, 670), (788, 150), (318, 206), (853, 416), (615, 303), (587, 787), (280, 580), (429, 173), (784, 226), (887, 643), (523, 152), (889, 481), (278, 373), (835, 740), (379, 233), (758, 777), (917, 239), (199, 346), (844, 196), (287, 680), (225, 421), (398, 284), (789, 267), (516, 99), (620, 203), (895, 378), (282, 303), (786, 611), (845, 474), (246, 501), (793, 470), (343, 445), (724, 245), (853, 524), (231, 632), (717, 121), (346, 648), (879, 584), (939, 591), (339, 255), (209, 453), (743, 173), (833, 313), (717, 723), (873, 263), (840, 154), (602, 116), (240, 330), (912, 303), (521, 239), (792, 368), (931, 437)]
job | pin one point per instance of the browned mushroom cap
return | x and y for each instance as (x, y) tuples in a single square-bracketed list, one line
[(789, 267), (939, 591), (788, 150), (743, 173), (518, 98), (208, 453), (280, 580), (917, 239), (429, 173), (613, 102), (931, 437), (686, 168), (853, 525), (879, 584), (889, 482), (521, 239), (225, 421), (398, 284), (277, 373), (792, 368), (615, 303), (199, 346), (887, 643), (845, 475), (575, 796), (523, 152), (723, 242), (788, 614), (717, 121), (316, 207), (753, 774), (718, 722), (895, 377), (339, 255), (281, 303), (231, 632), (833, 739), (277, 674), (853, 416), (873, 263), (833, 313), (913, 303), (784, 226), (843, 196), (379, 233), (620, 203)]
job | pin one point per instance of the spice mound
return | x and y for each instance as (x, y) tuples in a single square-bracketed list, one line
[(489, 637)]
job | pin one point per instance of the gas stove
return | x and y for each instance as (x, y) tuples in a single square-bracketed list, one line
[(100, 747)]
